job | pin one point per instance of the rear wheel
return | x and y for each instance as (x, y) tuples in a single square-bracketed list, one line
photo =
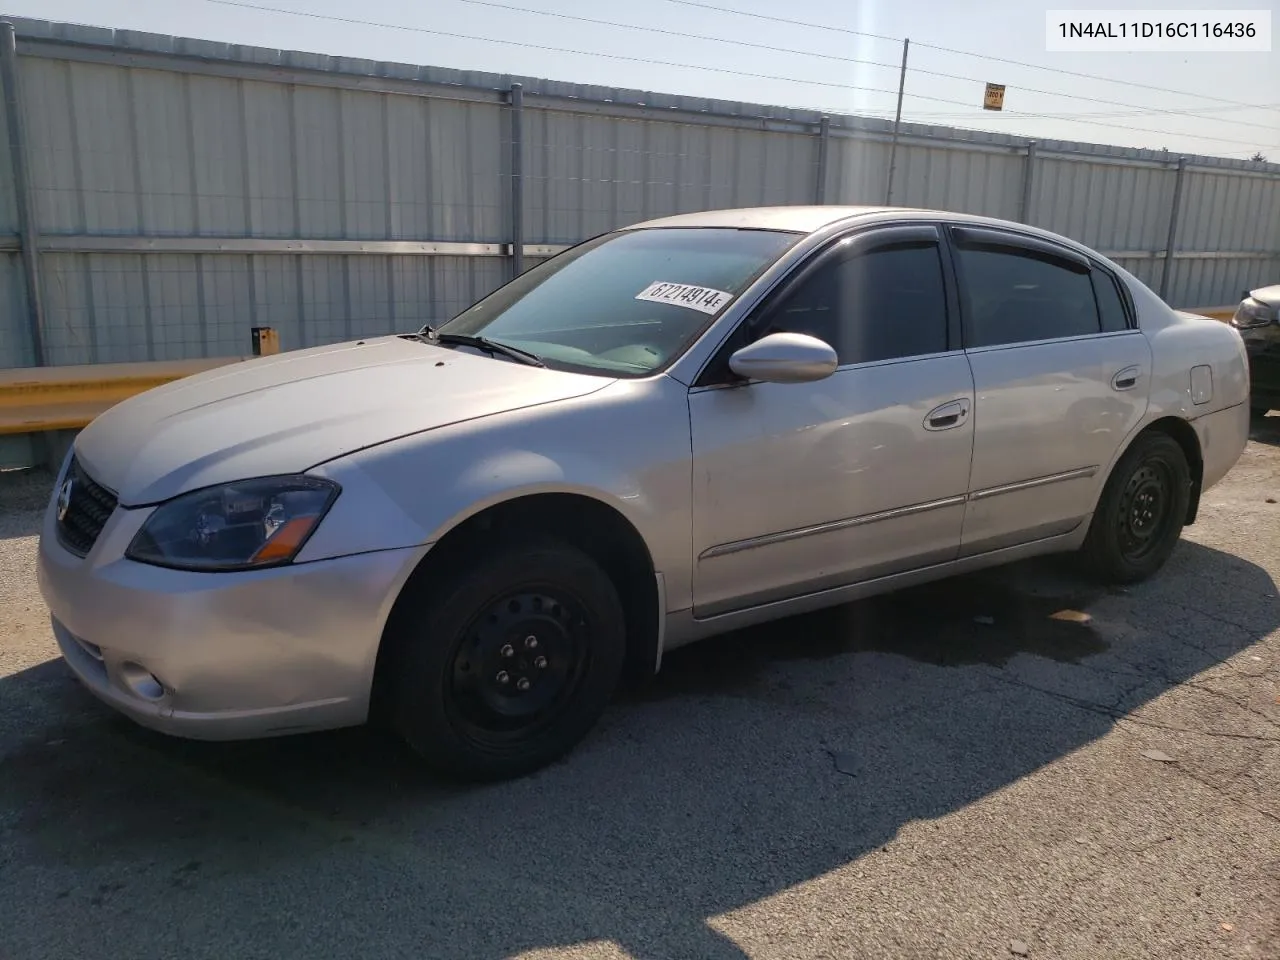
[(1141, 513), (507, 663)]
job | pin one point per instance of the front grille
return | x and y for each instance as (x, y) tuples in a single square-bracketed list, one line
[(88, 506)]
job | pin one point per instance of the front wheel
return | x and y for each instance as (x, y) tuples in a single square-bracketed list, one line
[(506, 664), (1141, 513)]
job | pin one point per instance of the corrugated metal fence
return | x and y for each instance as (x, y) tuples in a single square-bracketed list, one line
[(183, 191)]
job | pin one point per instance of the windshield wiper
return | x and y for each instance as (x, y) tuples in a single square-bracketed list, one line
[(484, 343)]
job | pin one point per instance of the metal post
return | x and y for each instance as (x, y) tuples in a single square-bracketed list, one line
[(1028, 181), (897, 122), (23, 193), (517, 179), (1173, 229), (824, 141)]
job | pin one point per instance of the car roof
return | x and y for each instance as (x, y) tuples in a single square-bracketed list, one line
[(800, 219), (812, 219)]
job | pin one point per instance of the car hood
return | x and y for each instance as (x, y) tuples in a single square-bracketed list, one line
[(288, 412), (1268, 295)]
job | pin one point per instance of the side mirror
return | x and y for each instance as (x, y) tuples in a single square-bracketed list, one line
[(785, 358)]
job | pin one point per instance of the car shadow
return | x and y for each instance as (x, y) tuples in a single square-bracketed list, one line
[(754, 762), (1265, 428)]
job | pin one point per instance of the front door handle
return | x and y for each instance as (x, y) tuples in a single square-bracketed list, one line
[(948, 415), (1126, 379)]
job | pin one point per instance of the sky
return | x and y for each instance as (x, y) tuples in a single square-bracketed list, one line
[(1183, 102)]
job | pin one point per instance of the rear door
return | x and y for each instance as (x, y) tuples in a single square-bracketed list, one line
[(1061, 376)]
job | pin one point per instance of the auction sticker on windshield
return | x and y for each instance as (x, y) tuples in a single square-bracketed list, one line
[(706, 299)]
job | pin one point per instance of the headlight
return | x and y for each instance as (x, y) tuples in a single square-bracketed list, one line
[(1252, 313), (234, 526)]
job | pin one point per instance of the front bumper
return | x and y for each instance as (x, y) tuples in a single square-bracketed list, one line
[(1262, 347), (220, 656), (1264, 380)]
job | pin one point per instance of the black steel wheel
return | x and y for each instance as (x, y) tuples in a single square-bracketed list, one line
[(1141, 512), (519, 662), (504, 666), (1143, 508)]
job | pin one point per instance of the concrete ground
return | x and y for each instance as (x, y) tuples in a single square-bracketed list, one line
[(943, 773)]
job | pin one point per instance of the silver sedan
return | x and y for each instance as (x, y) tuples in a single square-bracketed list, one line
[(477, 532)]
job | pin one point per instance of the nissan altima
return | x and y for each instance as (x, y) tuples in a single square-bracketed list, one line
[(476, 532)]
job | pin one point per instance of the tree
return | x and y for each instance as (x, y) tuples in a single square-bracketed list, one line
[(1258, 157)]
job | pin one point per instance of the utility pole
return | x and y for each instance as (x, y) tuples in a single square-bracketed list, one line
[(1166, 275), (517, 179), (897, 122)]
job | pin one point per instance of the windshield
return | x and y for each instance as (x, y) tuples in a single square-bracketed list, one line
[(625, 303)]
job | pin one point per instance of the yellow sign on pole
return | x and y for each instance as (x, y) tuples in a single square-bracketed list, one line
[(994, 99)]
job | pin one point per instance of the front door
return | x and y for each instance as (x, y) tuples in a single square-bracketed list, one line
[(803, 487), (1061, 378)]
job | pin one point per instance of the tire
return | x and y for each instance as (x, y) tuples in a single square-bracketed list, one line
[(1141, 512), (506, 664)]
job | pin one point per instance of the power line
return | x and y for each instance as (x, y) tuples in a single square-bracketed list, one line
[(965, 53), (1249, 145), (939, 115), (1130, 129), (690, 66), (1108, 115), (684, 34), (584, 53)]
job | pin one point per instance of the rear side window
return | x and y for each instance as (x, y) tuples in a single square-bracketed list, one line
[(1110, 304), (882, 304), (1016, 296)]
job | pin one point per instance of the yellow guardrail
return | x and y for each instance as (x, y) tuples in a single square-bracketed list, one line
[(34, 399), (1217, 313)]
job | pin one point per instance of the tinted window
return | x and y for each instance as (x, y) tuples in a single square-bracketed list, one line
[(1110, 306), (878, 305), (625, 303), (1015, 297)]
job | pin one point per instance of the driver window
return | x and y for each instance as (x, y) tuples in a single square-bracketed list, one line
[(882, 304)]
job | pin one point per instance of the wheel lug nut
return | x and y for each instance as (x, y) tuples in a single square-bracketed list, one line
[(503, 676), (522, 683), (531, 643), (540, 663), (507, 650)]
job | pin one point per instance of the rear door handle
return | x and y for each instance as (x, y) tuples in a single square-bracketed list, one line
[(949, 415), (1126, 379)]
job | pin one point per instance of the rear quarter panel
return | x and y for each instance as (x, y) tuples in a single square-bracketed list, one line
[(1187, 342), (1180, 342), (1221, 422)]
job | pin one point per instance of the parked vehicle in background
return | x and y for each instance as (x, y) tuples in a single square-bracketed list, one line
[(1258, 320), (669, 431)]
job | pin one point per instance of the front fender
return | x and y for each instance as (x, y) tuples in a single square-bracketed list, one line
[(627, 446), (510, 474)]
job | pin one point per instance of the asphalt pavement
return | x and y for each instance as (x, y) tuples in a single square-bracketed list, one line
[(947, 772)]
